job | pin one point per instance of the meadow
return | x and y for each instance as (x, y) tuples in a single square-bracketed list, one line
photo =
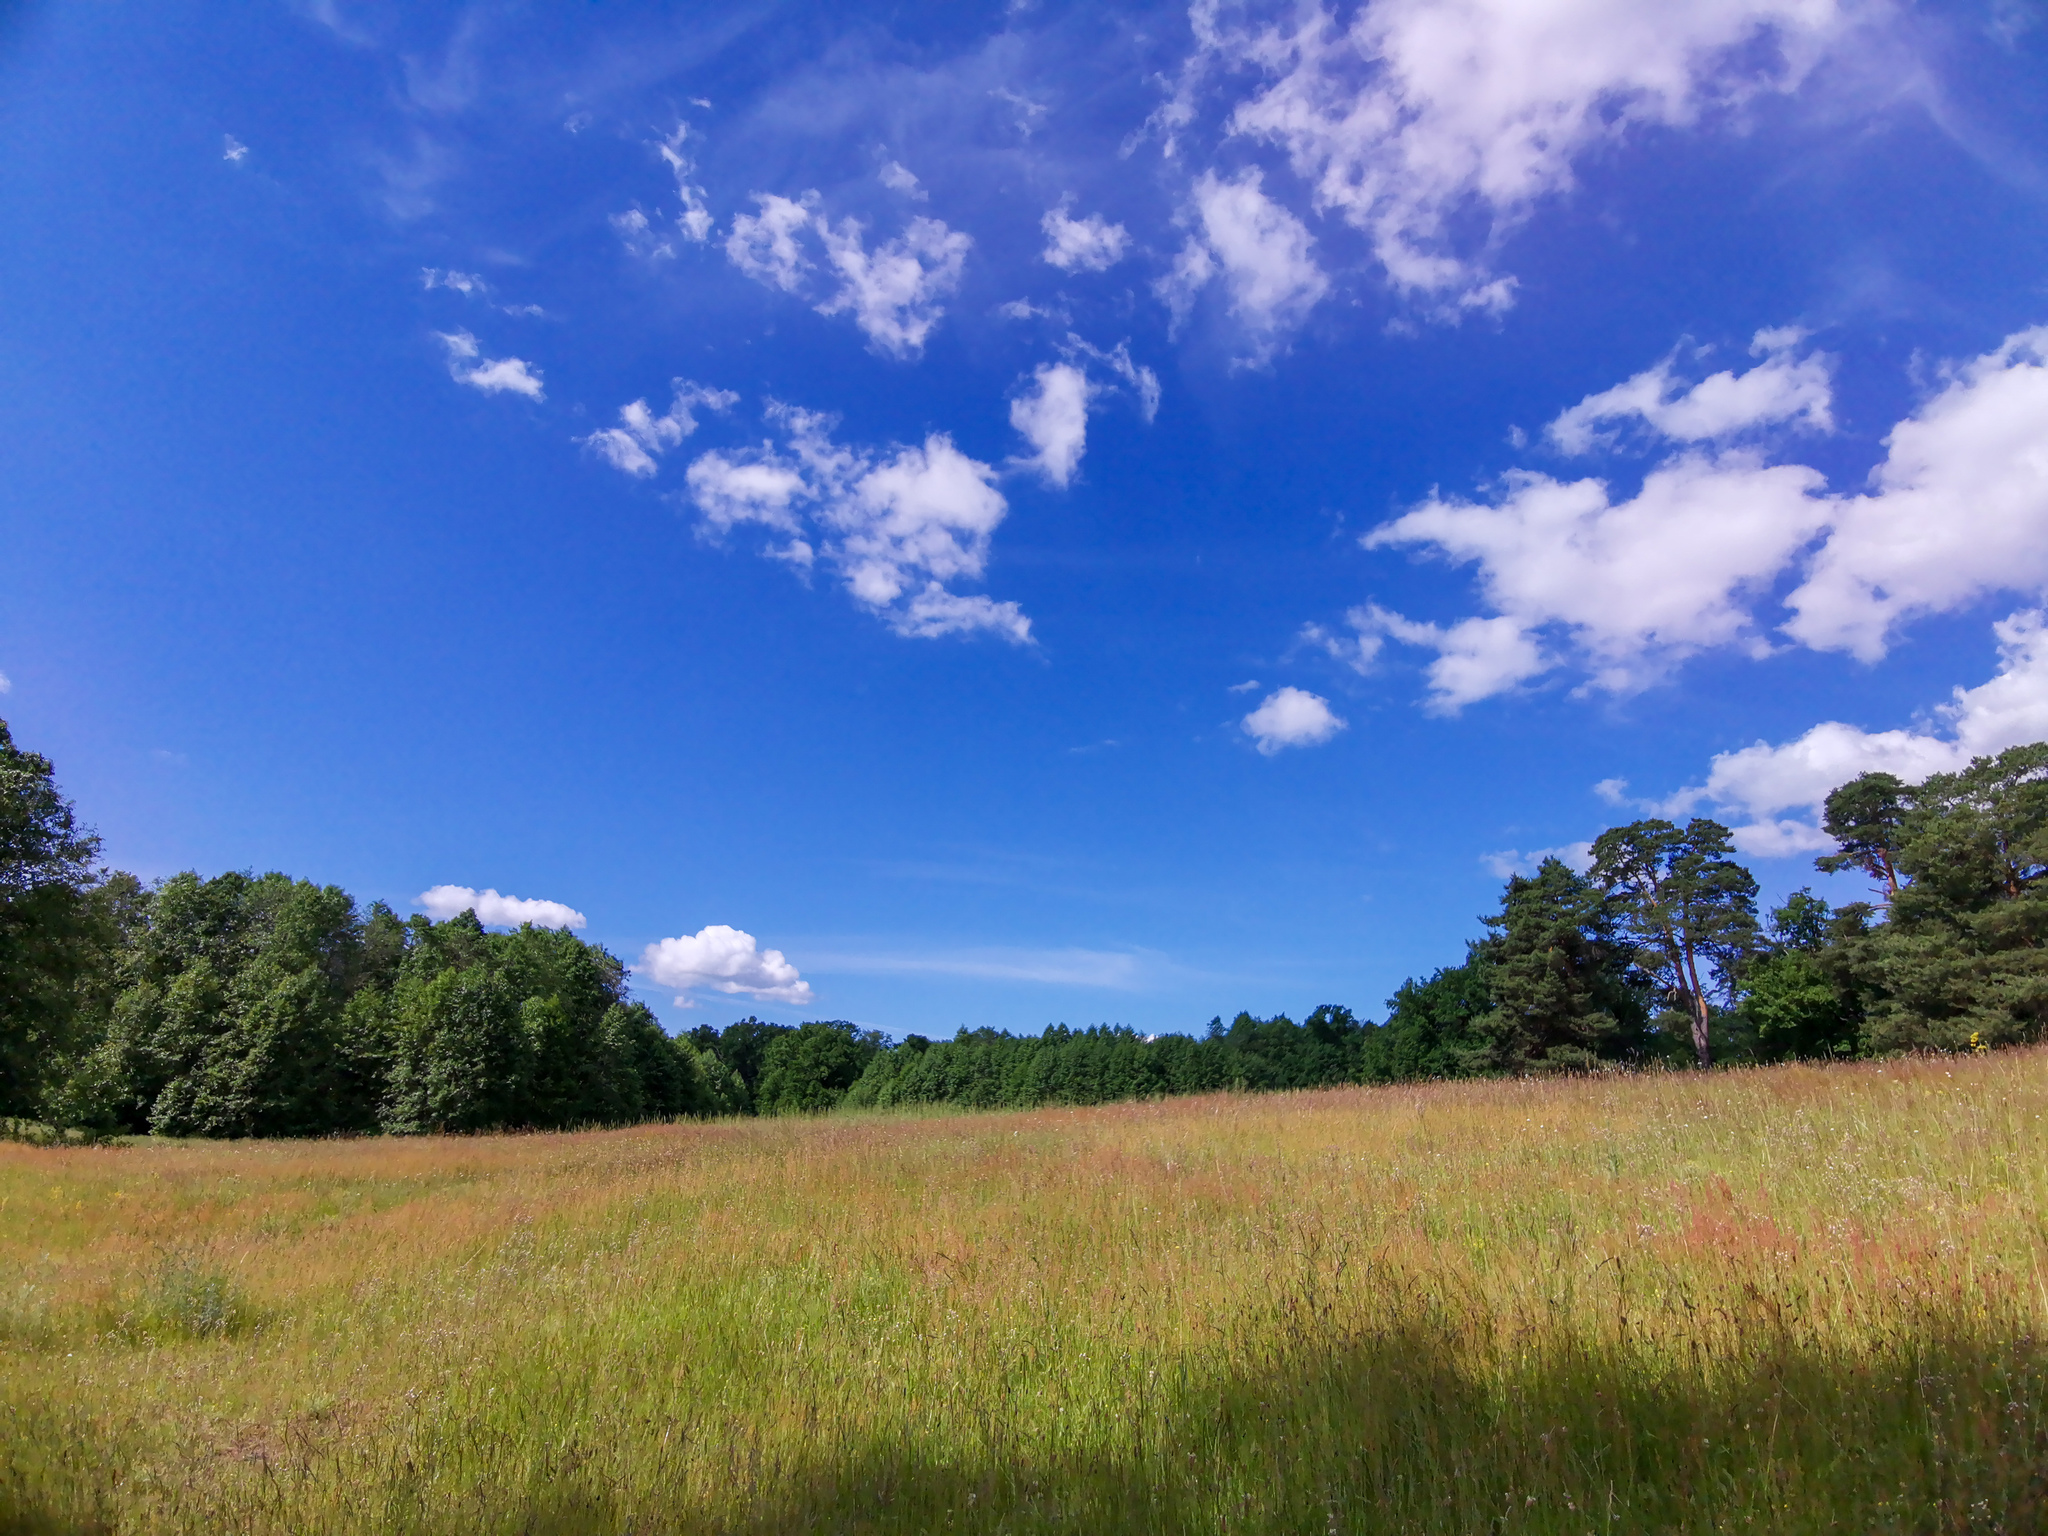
[(1799, 1298)]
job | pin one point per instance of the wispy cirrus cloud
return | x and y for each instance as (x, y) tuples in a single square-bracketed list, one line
[(1110, 970)]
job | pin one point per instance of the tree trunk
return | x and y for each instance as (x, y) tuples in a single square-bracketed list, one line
[(1701, 1049)]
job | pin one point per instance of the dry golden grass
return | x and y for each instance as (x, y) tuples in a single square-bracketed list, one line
[(1796, 1299)]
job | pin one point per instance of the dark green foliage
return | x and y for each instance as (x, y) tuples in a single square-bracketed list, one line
[(742, 1046), (51, 927), (246, 1006), (808, 1070), (1431, 1029), (1866, 818), (991, 1069), (1798, 1001), (1565, 995), (1963, 959)]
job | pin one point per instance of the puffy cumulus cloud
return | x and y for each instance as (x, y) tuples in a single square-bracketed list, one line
[(765, 245), (1263, 252), (642, 436), (1476, 658), (1783, 389), (1763, 782), (897, 525), (935, 612), (1957, 510), (722, 959), (1051, 412), (495, 911), (1053, 417), (1409, 117), (892, 291), (1637, 584), (752, 488), (1092, 244), (1291, 717), (492, 375)]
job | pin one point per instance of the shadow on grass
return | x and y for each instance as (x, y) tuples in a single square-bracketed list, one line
[(1382, 1437), (1940, 1434)]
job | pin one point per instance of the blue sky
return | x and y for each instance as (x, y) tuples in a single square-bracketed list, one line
[(998, 515)]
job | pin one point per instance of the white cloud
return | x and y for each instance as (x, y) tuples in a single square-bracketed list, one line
[(1412, 116), (695, 219), (636, 232), (233, 150), (898, 178), (495, 911), (465, 283), (1782, 388), (1053, 418), (935, 612), (753, 488), (893, 291), (1958, 509), (1247, 686), (6, 683), (492, 375), (1476, 658), (722, 959), (1263, 251), (1187, 277), (1762, 782), (642, 436), (1511, 861), (764, 245), (1291, 717), (896, 525), (1637, 584), (1083, 245)]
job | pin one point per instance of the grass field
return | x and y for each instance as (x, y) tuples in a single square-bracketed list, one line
[(1786, 1300)]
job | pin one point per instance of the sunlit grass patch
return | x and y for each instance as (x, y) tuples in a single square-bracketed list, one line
[(1802, 1298)]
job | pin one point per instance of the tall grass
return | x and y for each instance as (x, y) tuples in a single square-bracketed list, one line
[(1785, 1300)]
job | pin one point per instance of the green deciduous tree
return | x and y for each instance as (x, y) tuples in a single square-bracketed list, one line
[(808, 1069), (1689, 908), (51, 929), (1796, 996)]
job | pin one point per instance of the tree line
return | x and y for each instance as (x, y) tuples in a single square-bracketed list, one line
[(266, 1006)]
